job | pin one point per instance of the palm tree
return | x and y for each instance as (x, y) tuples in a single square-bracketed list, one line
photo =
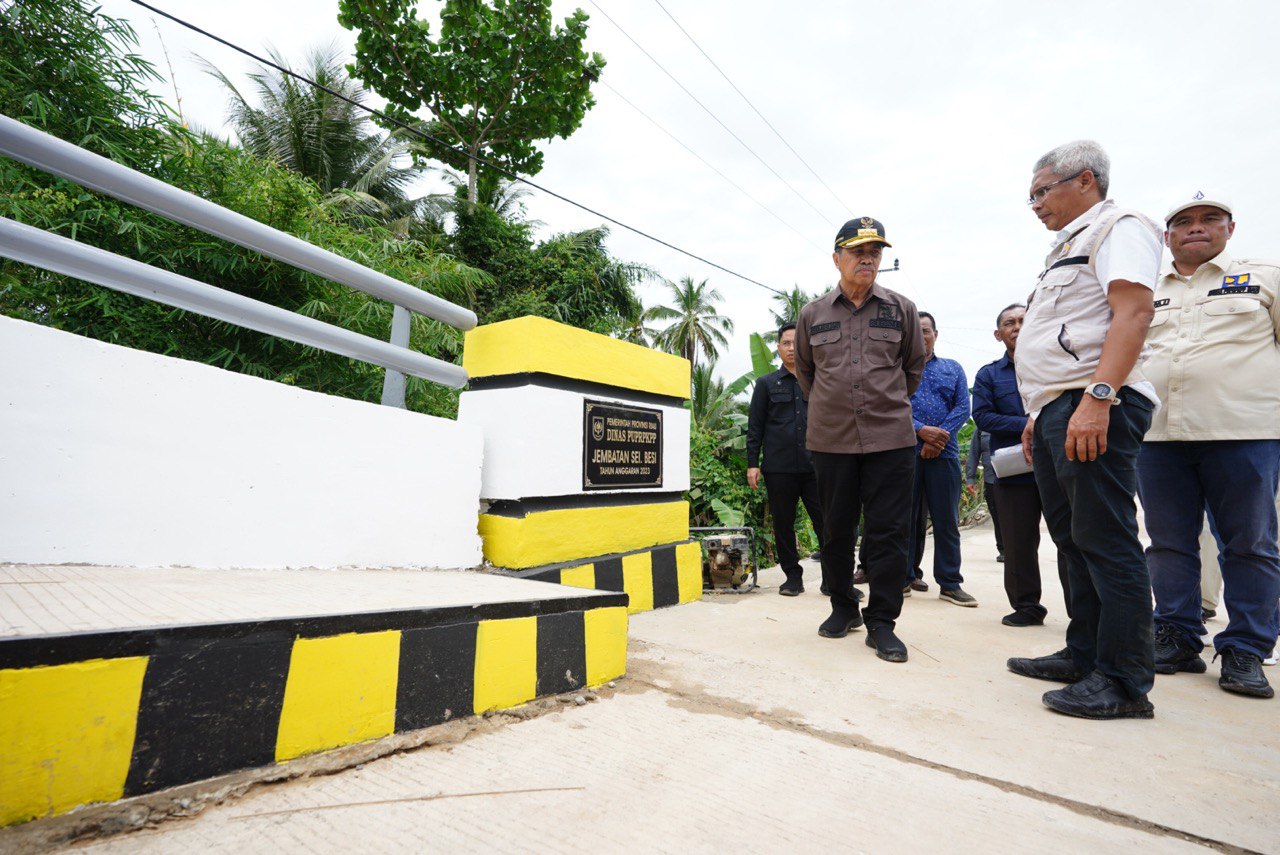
[(788, 310), (328, 140), (696, 325)]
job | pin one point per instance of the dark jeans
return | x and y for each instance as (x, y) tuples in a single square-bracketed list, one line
[(877, 485), (937, 482), (785, 489), (1237, 480), (1019, 517), (1090, 512)]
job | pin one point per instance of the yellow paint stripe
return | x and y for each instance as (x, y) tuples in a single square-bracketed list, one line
[(571, 533), (66, 735), (606, 640), (637, 581), (539, 345), (506, 672), (340, 690), (582, 576), (689, 571)]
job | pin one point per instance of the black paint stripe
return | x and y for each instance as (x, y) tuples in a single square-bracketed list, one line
[(32, 651), (208, 708), (566, 384), (609, 575), (666, 578), (522, 507), (1066, 262), (562, 653), (437, 675)]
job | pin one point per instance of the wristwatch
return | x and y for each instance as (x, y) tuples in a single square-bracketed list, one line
[(1103, 392)]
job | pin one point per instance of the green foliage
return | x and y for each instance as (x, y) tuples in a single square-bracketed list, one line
[(86, 86), (500, 77), (570, 278), (696, 324), (318, 135)]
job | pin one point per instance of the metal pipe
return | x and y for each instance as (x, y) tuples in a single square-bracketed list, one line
[(57, 157), (70, 258)]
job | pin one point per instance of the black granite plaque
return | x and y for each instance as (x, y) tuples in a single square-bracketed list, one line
[(622, 446)]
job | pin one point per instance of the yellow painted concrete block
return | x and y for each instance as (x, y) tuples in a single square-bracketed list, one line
[(637, 581), (546, 537), (689, 571), (340, 690), (66, 735), (606, 640), (506, 663), (526, 345), (582, 576)]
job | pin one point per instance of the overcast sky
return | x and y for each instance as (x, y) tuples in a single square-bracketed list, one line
[(925, 115)]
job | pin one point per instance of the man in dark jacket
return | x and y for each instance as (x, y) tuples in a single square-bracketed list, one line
[(776, 424)]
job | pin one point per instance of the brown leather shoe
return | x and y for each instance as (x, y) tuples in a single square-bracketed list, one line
[(860, 577)]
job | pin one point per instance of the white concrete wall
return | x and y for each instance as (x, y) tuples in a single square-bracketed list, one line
[(114, 456), (533, 441)]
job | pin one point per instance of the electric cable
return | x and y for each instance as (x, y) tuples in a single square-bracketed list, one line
[(825, 219), (776, 132), (443, 144)]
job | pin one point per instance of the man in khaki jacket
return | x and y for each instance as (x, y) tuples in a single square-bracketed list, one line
[(1215, 362), (859, 356)]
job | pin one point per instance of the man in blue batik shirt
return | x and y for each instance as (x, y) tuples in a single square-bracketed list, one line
[(939, 408)]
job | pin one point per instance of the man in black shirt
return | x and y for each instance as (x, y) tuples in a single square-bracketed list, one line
[(779, 414)]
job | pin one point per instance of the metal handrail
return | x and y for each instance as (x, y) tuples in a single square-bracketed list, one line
[(65, 160), (58, 254), (61, 158)]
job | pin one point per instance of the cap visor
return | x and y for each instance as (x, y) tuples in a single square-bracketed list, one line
[(858, 241)]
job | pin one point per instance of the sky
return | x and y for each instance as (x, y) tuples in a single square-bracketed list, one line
[(925, 115)]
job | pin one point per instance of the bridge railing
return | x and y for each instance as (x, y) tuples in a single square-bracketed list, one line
[(71, 258)]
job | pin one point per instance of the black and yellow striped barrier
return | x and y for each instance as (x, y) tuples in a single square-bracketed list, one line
[(651, 578), (94, 717)]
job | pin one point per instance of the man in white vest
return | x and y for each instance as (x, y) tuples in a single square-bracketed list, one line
[(1080, 376)]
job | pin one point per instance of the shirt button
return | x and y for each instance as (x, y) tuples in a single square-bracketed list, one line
[(855, 359), (857, 385), (859, 412)]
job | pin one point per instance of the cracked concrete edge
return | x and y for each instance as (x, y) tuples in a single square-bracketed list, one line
[(94, 822), (649, 675)]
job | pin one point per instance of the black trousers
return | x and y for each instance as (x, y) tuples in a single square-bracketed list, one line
[(1019, 520), (993, 508), (920, 517), (785, 489), (877, 485)]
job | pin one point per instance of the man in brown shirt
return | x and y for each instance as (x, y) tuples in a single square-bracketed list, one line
[(859, 356)]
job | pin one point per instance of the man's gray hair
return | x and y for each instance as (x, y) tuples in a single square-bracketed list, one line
[(1076, 157)]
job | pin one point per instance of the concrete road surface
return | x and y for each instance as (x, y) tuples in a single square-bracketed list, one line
[(740, 729)]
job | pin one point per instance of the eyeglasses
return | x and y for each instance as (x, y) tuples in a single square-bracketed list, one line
[(1040, 192)]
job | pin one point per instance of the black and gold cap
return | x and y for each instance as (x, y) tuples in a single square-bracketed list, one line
[(859, 231)]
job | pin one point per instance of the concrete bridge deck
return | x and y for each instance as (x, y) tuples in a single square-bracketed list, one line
[(738, 727)]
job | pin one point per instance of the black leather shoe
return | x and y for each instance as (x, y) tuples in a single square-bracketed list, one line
[(1242, 674), (888, 646), (1174, 652), (1020, 619), (1205, 614), (793, 587), (860, 577), (817, 556), (1098, 697), (841, 621), (918, 585), (1059, 667)]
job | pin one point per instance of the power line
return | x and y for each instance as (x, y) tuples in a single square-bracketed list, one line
[(708, 111), (776, 132), (437, 141), (733, 183)]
